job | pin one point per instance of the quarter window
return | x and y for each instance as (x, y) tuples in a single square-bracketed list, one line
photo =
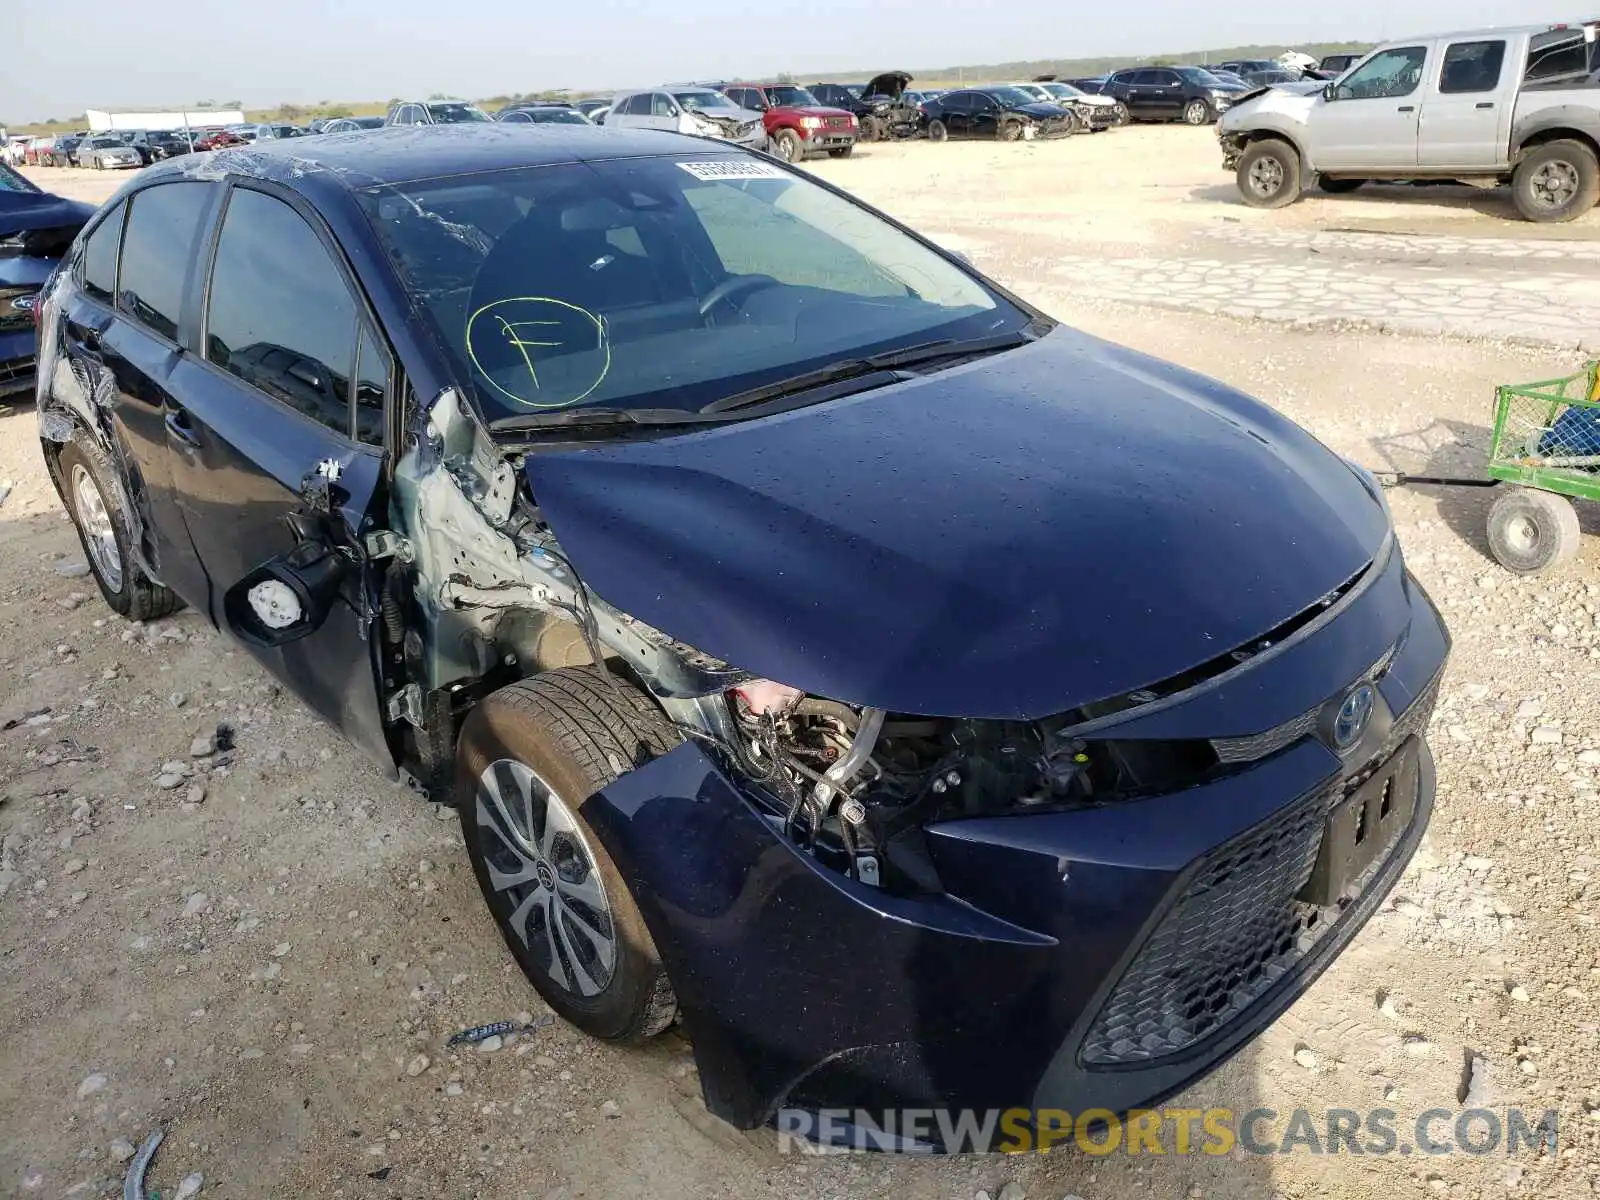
[(280, 315), (1471, 67), (163, 225), (1385, 75), (100, 256), (372, 388), (1563, 58)]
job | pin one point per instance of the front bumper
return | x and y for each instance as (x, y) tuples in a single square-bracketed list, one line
[(819, 140), (1080, 959)]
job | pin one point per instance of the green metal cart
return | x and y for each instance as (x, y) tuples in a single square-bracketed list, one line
[(1546, 442)]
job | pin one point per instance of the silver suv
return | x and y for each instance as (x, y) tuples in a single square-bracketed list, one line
[(1496, 106), (689, 110)]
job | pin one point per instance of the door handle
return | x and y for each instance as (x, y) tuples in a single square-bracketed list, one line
[(179, 428), (1408, 108), (1487, 104)]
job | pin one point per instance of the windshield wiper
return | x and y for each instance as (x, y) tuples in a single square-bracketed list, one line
[(863, 369), (599, 418)]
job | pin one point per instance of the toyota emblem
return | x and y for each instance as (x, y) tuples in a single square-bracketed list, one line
[(1353, 717)]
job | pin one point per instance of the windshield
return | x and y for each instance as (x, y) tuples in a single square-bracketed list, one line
[(456, 113), (559, 116), (1061, 91), (1196, 76), (662, 282), (786, 95), (1012, 95), (705, 102), (11, 181)]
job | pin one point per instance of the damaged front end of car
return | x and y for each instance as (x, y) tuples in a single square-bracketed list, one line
[(928, 766)]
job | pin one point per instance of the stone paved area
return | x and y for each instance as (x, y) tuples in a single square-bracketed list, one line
[(1535, 292)]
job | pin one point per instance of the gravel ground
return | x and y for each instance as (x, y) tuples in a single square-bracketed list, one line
[(263, 950)]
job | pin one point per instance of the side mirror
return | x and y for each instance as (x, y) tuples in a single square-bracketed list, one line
[(288, 597), (1330, 92)]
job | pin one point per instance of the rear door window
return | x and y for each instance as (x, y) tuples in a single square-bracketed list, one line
[(100, 256), (1471, 67), (280, 315), (163, 227)]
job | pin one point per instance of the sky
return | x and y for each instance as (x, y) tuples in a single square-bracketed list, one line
[(60, 58)]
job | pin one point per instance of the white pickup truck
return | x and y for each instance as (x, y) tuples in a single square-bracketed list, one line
[(1489, 107)]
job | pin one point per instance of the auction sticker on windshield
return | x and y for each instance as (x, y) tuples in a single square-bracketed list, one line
[(733, 168)]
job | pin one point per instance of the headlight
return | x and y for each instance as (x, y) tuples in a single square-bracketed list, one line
[(811, 122)]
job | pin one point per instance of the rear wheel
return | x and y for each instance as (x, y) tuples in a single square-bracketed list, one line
[(787, 146), (1197, 112), (1530, 531), (938, 131), (1557, 181), (529, 756), (95, 500), (1269, 174)]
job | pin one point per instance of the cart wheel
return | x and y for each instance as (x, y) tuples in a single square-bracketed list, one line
[(1531, 530)]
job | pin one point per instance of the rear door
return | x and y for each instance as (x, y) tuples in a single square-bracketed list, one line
[(288, 384), (121, 341), (1371, 121), (1466, 111)]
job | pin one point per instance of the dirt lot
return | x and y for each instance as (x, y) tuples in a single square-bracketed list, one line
[(266, 959)]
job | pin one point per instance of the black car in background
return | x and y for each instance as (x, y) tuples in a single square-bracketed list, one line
[(351, 124), (65, 153), (878, 105), (1188, 94), (36, 229), (1337, 64), (543, 112), (156, 144), (1008, 114)]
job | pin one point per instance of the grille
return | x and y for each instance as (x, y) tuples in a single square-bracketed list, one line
[(1232, 751), (838, 122), (17, 368), (1237, 928)]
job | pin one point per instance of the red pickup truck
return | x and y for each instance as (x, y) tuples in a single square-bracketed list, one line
[(797, 124)]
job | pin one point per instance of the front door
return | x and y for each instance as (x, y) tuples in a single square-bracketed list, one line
[(290, 388), (1166, 95), (138, 259), (1370, 121), (1466, 115)]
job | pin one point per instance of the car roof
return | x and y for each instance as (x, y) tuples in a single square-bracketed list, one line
[(1488, 31), (402, 154)]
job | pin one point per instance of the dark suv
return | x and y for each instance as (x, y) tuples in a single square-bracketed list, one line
[(1188, 94), (727, 557)]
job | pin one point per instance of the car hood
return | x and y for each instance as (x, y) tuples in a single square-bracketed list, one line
[(810, 110), (1282, 106), (890, 83), (1012, 538), (48, 223)]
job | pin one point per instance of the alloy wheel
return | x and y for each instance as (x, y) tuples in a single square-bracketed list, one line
[(1196, 113), (1266, 177), (1555, 183), (98, 532), (540, 863)]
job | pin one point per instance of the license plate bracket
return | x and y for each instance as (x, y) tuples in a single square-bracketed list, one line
[(1362, 826)]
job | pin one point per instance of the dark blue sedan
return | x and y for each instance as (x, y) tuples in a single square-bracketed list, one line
[(36, 228), (929, 704)]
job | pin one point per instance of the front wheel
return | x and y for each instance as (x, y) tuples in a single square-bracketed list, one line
[(1557, 181), (530, 755), (1269, 174), (1009, 131), (938, 131), (1121, 116), (786, 145), (1530, 531), (1197, 112), (871, 129)]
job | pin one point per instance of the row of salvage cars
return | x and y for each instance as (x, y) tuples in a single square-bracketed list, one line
[(728, 557)]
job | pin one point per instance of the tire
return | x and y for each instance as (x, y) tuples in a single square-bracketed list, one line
[(1009, 131), (564, 734), (1269, 174), (1338, 187), (95, 500), (841, 152), (938, 131), (871, 129), (1557, 181), (1123, 116), (787, 146), (1197, 112), (1531, 531), (1075, 123)]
